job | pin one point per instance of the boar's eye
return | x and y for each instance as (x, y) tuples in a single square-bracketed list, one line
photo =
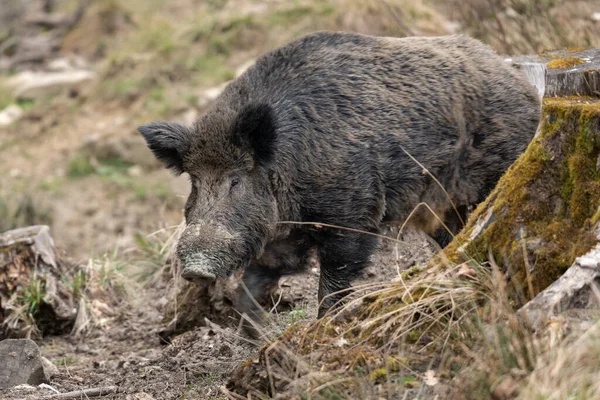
[(234, 182)]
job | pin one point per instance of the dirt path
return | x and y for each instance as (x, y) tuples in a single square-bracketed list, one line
[(126, 351)]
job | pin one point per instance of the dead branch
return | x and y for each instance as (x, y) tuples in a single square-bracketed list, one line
[(85, 393)]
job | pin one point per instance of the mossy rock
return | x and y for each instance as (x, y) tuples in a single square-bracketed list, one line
[(545, 208)]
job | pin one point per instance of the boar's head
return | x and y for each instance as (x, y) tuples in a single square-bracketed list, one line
[(231, 209)]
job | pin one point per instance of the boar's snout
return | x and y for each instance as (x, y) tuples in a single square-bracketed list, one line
[(206, 252)]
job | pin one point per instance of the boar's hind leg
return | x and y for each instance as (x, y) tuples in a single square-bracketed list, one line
[(342, 256), (454, 224)]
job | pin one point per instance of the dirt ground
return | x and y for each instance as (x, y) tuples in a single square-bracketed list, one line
[(127, 352)]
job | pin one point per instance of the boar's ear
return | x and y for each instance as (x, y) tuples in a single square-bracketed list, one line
[(168, 141), (254, 129)]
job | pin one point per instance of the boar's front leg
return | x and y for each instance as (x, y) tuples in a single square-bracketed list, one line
[(343, 256), (284, 257)]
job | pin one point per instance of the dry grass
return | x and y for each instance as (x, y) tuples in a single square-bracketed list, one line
[(445, 331), (568, 371), (382, 342)]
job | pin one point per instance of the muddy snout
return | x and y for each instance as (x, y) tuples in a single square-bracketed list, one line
[(206, 252)]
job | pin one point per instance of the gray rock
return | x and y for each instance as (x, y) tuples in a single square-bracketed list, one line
[(20, 363)]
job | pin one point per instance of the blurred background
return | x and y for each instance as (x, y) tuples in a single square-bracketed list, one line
[(78, 76)]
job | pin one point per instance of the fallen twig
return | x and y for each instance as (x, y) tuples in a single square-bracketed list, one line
[(92, 392)]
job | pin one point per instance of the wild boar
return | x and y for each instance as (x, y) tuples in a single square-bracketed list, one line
[(336, 129)]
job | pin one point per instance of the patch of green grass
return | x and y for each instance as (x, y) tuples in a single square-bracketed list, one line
[(110, 272), (62, 362), (114, 171), (26, 104), (410, 381), (211, 68), (159, 190), (112, 168), (151, 255), (52, 185), (160, 38), (191, 100), (49, 346), (80, 166), (33, 295), (297, 314), (157, 103), (124, 87), (78, 283)]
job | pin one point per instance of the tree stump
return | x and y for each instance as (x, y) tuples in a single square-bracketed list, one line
[(35, 297), (544, 211), (563, 73)]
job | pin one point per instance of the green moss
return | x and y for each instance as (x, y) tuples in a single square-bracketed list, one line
[(565, 63), (410, 382), (413, 336), (409, 272), (379, 375)]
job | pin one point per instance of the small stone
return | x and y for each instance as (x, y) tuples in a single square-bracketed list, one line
[(430, 379), (10, 114), (135, 171), (21, 363), (511, 13), (15, 173), (49, 369)]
